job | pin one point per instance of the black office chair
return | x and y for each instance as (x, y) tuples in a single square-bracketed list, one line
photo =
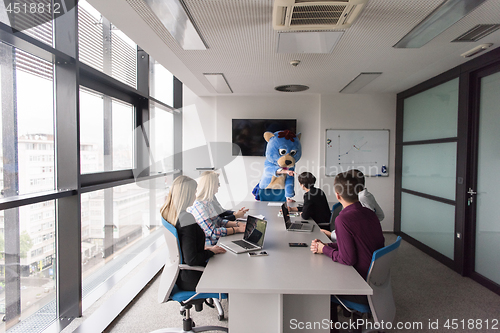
[(169, 291)]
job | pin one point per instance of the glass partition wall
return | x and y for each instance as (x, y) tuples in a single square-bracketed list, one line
[(446, 158), (87, 158), (429, 153)]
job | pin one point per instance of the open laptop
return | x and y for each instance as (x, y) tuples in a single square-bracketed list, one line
[(294, 226), (253, 238)]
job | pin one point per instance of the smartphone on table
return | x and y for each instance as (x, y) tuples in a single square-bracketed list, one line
[(297, 244), (257, 254)]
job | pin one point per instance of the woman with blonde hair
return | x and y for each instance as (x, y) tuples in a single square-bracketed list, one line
[(206, 210), (191, 237)]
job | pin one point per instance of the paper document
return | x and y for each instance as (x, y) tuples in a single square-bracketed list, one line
[(276, 204)]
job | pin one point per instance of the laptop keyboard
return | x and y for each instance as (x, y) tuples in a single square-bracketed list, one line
[(244, 244), (296, 226)]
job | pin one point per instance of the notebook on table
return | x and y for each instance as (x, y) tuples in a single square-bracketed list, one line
[(295, 226), (253, 238)]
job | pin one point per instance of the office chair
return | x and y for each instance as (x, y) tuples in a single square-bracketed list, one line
[(381, 303), (269, 194), (336, 208), (169, 291)]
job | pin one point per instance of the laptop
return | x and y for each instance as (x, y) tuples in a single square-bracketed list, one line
[(253, 238), (295, 226)]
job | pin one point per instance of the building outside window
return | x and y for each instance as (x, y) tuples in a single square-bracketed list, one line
[(117, 218)]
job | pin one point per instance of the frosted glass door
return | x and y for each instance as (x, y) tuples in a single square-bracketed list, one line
[(429, 167), (488, 180)]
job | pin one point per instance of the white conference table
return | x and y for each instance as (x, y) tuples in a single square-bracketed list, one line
[(275, 293)]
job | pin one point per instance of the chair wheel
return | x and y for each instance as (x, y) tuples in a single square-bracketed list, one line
[(221, 317)]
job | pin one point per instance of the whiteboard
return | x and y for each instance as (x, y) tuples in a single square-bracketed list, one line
[(365, 150)]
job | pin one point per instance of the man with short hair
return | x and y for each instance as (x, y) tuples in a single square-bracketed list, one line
[(315, 202), (358, 230)]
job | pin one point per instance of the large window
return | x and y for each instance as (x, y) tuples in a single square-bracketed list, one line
[(104, 47), (106, 133), (161, 83), (116, 224), (162, 146), (76, 210), (27, 139), (27, 258)]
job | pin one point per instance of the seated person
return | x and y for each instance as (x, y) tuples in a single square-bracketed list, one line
[(358, 229), (315, 202), (191, 237), (365, 198), (205, 213)]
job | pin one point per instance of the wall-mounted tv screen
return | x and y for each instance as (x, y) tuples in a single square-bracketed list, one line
[(248, 134)]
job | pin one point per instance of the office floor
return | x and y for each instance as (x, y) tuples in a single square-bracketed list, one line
[(426, 293)]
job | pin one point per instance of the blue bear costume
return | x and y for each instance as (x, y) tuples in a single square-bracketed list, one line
[(282, 152)]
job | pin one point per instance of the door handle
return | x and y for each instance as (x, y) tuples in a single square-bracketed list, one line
[(471, 192)]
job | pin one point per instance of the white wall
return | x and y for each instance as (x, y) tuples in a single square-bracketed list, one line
[(361, 111), (208, 119), (304, 108), (199, 128)]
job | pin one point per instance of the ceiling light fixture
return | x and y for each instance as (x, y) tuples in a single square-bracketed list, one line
[(218, 82), (308, 41), (359, 82), (476, 50), (443, 17), (175, 17)]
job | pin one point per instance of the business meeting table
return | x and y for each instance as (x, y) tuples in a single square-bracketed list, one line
[(285, 290)]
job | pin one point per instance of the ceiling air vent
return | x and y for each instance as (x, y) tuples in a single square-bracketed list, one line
[(307, 15), (478, 32), (291, 88)]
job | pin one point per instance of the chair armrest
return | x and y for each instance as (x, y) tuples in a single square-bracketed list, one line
[(191, 268), (324, 226)]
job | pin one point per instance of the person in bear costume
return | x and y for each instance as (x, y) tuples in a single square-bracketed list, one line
[(283, 150)]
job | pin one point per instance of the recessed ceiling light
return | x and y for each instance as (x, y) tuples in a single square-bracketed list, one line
[(219, 82), (359, 82), (443, 17), (176, 19)]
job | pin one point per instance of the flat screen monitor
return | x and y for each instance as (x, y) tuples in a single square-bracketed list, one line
[(248, 134)]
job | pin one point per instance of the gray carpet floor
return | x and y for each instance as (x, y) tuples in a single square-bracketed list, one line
[(426, 292)]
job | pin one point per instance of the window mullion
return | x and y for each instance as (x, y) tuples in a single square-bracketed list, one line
[(10, 185), (68, 219)]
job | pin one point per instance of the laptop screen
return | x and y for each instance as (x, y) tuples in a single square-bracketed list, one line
[(286, 215), (255, 230)]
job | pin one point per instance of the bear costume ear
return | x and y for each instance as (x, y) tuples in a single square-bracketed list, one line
[(298, 135), (268, 136)]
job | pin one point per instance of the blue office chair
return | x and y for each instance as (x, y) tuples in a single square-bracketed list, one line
[(381, 303), (269, 194), (169, 291)]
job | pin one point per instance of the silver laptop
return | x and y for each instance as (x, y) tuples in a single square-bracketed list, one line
[(295, 226), (253, 238)]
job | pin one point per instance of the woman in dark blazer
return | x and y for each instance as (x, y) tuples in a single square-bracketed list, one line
[(191, 237)]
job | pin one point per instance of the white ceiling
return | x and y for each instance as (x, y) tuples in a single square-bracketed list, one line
[(242, 45)]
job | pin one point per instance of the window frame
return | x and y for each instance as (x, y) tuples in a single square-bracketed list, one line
[(69, 75)]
